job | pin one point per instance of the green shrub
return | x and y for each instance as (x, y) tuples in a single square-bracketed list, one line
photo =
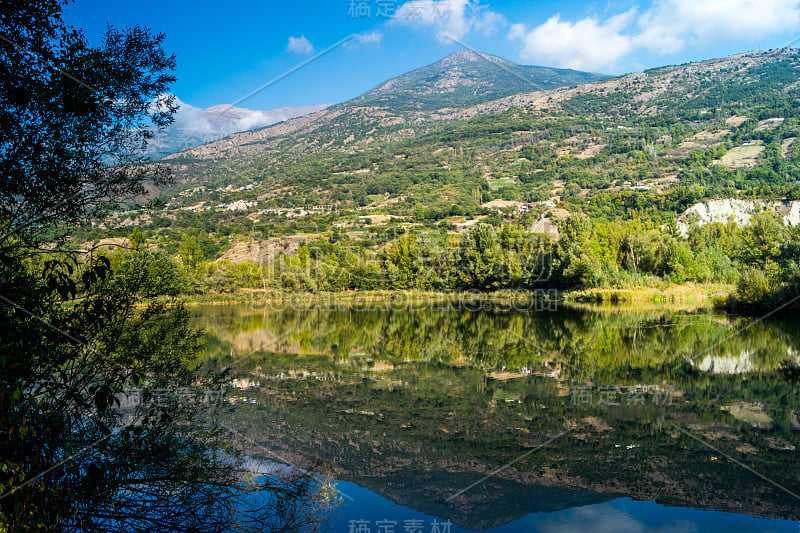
[(753, 286)]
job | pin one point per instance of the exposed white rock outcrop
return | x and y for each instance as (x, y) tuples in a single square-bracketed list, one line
[(738, 211)]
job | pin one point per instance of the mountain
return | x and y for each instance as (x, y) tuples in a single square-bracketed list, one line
[(467, 78), (194, 126), (410, 104), (724, 125)]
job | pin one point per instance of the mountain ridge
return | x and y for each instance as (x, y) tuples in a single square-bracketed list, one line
[(647, 130), (248, 142)]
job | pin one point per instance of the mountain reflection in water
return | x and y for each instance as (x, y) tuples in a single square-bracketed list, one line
[(415, 405)]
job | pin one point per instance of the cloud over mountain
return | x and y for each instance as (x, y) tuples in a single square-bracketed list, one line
[(454, 18), (666, 27), (194, 126)]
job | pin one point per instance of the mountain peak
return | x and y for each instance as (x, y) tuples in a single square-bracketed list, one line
[(469, 56), (464, 78)]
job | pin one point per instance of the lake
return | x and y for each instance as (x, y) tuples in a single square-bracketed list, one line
[(483, 417)]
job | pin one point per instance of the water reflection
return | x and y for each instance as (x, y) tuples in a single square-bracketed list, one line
[(417, 404)]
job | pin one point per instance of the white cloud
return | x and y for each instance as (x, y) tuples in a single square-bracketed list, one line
[(193, 125), (366, 38), (190, 119), (671, 25), (225, 119), (588, 44), (454, 18), (300, 45), (667, 27)]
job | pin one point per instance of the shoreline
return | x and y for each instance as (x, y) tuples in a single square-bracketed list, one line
[(687, 295)]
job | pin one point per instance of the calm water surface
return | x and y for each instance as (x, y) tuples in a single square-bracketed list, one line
[(495, 419)]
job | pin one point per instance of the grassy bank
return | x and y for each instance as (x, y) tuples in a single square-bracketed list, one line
[(699, 294), (705, 294)]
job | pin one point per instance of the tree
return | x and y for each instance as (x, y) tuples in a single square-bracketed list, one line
[(190, 253), (109, 421), (137, 239), (480, 257), (400, 256), (760, 239), (74, 118), (575, 263)]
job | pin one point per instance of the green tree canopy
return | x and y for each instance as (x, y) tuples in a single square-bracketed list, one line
[(107, 420)]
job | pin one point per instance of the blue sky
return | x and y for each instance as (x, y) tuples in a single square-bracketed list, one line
[(227, 49)]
